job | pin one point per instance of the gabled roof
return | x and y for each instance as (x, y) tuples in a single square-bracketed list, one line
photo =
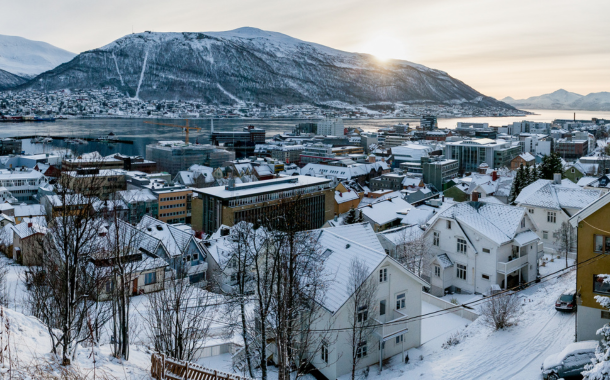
[(346, 243), (175, 240), (497, 222), (23, 230), (402, 234), (444, 260), (589, 210), (543, 193), (385, 211)]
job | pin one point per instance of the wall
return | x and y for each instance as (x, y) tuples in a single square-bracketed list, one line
[(463, 312)]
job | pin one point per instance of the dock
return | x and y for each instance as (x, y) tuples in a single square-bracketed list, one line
[(93, 139)]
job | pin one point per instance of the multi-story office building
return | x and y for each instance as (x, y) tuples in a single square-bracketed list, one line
[(98, 183), (175, 156), (472, 153), (390, 181), (347, 150), (438, 172), (428, 123), (9, 146), (23, 183), (570, 149), (288, 153), (91, 160), (331, 127), (395, 140), (525, 126), (174, 201), (251, 202), (250, 134), (316, 153)]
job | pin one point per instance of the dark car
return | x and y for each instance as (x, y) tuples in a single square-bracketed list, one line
[(567, 301)]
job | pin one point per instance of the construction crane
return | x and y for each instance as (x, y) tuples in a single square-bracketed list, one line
[(185, 127)]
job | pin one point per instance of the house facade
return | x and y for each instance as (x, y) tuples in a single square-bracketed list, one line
[(478, 247), (551, 203), (593, 247)]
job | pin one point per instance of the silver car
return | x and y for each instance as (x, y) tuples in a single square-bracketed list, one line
[(569, 362)]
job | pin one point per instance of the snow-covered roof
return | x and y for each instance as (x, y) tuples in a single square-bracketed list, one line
[(343, 172), (411, 181), (586, 181), (543, 193), (345, 196), (444, 260), (497, 222), (402, 234), (24, 230), (137, 196), (528, 157), (174, 239), (29, 210), (385, 211), (344, 244), (526, 237)]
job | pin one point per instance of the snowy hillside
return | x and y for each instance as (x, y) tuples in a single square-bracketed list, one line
[(27, 58), (562, 99), (249, 64), (8, 80)]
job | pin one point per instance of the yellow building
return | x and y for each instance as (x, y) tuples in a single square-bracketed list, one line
[(593, 258), (346, 198)]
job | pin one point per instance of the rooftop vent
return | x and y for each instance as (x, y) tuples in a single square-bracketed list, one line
[(159, 227)]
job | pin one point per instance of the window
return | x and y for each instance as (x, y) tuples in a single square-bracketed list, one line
[(545, 234), (523, 223), (602, 244), (150, 278), (605, 314), (486, 250), (324, 353), (436, 238), (437, 271), (461, 271), (399, 339), (383, 275), (485, 276), (599, 286), (363, 314), (461, 245), (530, 210), (382, 307), (551, 217), (448, 224), (361, 351), (109, 286), (401, 301), (572, 170)]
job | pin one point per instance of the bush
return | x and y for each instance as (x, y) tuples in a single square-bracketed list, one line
[(454, 339), (501, 311), (454, 301)]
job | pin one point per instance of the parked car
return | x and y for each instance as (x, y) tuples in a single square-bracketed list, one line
[(567, 301), (569, 362)]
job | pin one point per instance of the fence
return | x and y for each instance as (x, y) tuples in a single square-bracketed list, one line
[(165, 368), (444, 305)]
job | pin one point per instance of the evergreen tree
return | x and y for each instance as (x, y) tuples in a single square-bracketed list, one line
[(550, 165), (360, 217), (518, 183), (351, 217)]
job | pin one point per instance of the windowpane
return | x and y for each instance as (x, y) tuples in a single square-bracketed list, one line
[(599, 243), (461, 271), (382, 307), (599, 286)]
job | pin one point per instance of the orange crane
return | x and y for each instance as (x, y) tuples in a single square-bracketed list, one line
[(185, 127)]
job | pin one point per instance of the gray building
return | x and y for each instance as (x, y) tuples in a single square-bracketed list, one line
[(470, 154), (9, 146), (438, 172), (389, 181), (175, 156)]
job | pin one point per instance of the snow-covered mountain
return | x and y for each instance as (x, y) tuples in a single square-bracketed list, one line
[(27, 58), (564, 100), (249, 64), (8, 80)]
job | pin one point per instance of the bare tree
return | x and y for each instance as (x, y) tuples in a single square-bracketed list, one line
[(362, 310), (179, 318), (501, 311), (66, 282), (564, 239), (412, 251)]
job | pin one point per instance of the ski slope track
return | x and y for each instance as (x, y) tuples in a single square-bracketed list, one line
[(252, 65)]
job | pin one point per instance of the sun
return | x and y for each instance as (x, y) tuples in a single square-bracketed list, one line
[(384, 47)]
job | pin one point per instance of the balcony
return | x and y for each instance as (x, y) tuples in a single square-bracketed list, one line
[(393, 327), (512, 265)]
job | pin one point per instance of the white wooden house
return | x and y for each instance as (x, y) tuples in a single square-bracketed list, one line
[(398, 298), (480, 246)]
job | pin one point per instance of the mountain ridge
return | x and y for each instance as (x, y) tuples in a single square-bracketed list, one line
[(564, 100), (251, 65), (27, 58)]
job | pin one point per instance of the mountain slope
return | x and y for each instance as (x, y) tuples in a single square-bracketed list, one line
[(249, 64), (27, 58), (8, 80), (564, 100)]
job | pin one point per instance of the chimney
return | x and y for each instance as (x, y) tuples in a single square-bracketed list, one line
[(30, 224), (336, 218), (494, 175), (557, 178), (475, 196)]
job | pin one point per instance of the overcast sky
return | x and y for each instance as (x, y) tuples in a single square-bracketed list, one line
[(518, 47)]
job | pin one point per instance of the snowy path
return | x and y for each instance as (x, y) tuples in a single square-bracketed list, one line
[(515, 353)]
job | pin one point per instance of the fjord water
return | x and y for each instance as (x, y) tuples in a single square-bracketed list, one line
[(141, 134)]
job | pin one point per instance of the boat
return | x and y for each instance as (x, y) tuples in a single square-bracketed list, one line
[(36, 140), (40, 118), (111, 137), (47, 140)]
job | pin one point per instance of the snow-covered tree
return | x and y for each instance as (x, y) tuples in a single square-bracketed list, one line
[(600, 368)]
